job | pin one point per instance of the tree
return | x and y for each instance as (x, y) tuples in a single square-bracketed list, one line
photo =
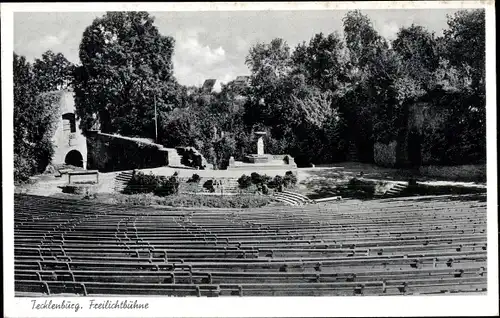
[(271, 61), (35, 117), (180, 128), (322, 61), (463, 50), (367, 81), (465, 45), (24, 96), (224, 148), (319, 129), (52, 72), (418, 49), (362, 40), (269, 64), (126, 69), (418, 55)]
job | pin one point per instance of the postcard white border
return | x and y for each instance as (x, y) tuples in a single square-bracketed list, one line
[(258, 306)]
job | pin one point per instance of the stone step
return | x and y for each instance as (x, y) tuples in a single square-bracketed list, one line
[(298, 195), (396, 189), (121, 180), (292, 197), (285, 200)]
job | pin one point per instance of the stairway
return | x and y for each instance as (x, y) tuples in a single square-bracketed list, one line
[(394, 191), (174, 159), (292, 198), (122, 179), (231, 186), (352, 152)]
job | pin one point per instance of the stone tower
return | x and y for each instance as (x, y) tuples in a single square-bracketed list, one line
[(70, 145)]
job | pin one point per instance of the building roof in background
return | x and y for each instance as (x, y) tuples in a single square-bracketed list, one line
[(211, 85), (244, 78), (208, 85)]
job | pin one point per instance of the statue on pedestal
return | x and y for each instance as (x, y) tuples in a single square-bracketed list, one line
[(260, 142), (260, 146)]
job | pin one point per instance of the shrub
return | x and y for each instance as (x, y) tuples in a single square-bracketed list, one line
[(149, 183), (244, 182), (266, 179), (265, 189), (209, 185), (290, 179), (143, 183), (195, 178), (259, 180), (191, 157), (256, 178), (23, 168), (276, 183), (168, 186)]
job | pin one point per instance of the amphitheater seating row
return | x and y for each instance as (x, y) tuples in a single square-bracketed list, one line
[(383, 247)]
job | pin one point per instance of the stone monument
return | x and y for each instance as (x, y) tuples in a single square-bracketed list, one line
[(260, 145), (261, 160), (260, 157)]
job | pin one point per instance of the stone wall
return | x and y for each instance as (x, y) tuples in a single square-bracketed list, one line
[(407, 149), (114, 153), (423, 115), (385, 155)]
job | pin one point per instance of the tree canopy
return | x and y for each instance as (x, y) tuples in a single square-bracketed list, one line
[(126, 69), (35, 112), (53, 72)]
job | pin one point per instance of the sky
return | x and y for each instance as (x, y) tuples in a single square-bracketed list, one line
[(213, 44)]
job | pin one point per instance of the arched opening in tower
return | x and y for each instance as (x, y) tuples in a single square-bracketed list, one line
[(74, 158)]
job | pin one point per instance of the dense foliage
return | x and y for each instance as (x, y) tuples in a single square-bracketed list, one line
[(244, 181), (36, 110), (263, 182), (195, 178), (126, 69), (315, 101), (168, 186), (209, 185), (150, 183)]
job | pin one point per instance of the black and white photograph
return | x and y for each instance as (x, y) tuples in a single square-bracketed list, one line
[(162, 159)]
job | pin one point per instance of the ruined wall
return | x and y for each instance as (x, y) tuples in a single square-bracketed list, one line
[(423, 116), (114, 153), (411, 146), (385, 155)]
